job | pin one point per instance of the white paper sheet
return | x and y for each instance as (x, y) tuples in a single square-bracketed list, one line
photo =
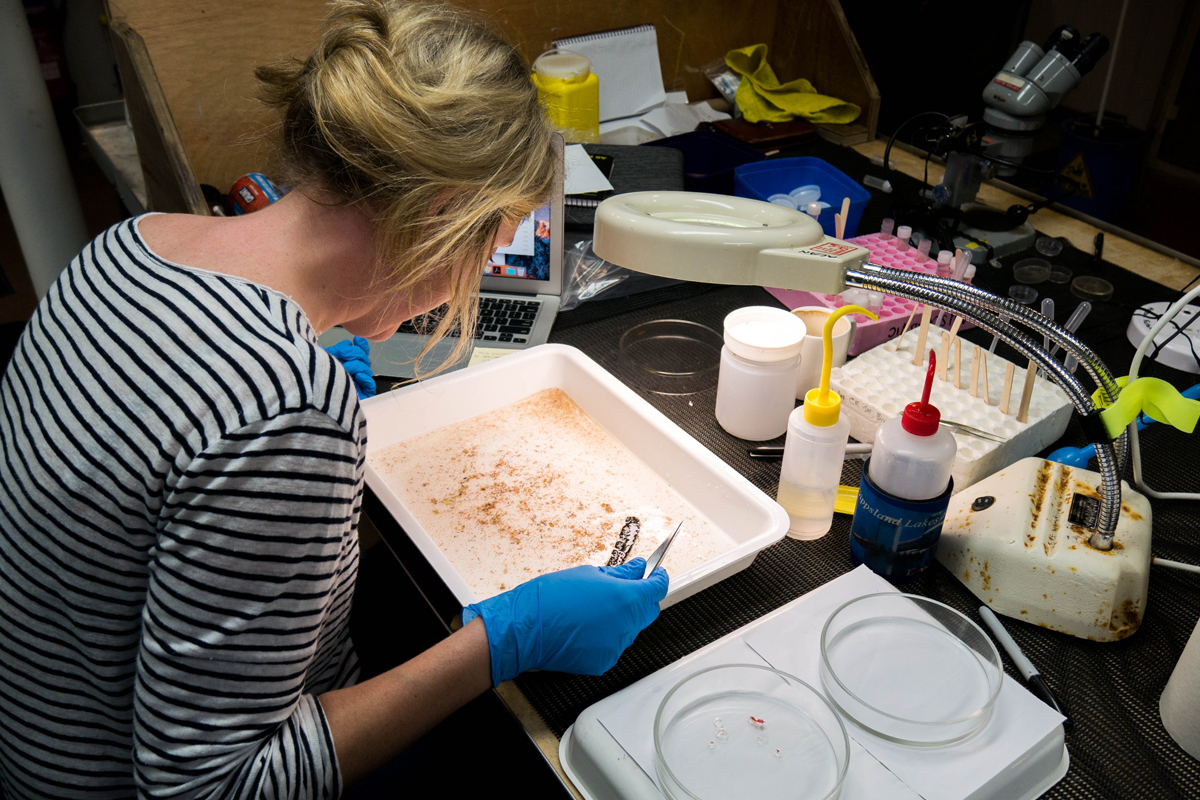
[(626, 64), (581, 173), (632, 724), (673, 119), (791, 642)]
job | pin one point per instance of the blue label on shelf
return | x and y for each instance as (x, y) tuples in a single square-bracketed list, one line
[(896, 538)]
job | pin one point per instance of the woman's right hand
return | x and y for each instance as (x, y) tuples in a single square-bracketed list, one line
[(578, 620)]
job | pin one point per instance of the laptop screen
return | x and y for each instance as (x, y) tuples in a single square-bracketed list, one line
[(532, 264)]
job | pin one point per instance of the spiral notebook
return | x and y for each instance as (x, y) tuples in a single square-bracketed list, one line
[(626, 62)]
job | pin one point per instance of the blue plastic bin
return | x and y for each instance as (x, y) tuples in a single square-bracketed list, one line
[(709, 159), (782, 175)]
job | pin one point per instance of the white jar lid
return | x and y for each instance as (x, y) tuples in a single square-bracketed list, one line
[(763, 333), (562, 64)]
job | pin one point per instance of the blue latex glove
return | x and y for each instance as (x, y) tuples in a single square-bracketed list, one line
[(578, 620), (355, 355)]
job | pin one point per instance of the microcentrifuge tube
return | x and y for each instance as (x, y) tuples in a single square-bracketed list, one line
[(813, 209), (902, 236), (885, 230), (923, 248), (945, 267), (875, 301)]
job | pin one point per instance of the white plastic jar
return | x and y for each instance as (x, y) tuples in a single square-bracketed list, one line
[(760, 364)]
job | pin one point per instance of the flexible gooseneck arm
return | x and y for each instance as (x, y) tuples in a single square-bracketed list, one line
[(968, 301)]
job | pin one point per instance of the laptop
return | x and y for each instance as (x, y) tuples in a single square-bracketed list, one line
[(518, 299)]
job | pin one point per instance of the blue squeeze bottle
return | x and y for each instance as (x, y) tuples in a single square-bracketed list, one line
[(904, 493)]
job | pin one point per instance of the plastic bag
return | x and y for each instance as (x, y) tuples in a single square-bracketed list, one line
[(587, 276), (726, 81)]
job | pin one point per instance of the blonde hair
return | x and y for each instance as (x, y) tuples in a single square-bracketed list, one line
[(429, 121)]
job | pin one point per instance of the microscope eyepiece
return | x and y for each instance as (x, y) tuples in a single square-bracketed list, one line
[(1092, 50), (1065, 40)]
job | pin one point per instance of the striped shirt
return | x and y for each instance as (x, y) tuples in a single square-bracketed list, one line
[(181, 470)]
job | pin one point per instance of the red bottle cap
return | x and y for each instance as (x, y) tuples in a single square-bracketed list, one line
[(921, 419)]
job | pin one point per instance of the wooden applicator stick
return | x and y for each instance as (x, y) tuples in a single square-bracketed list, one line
[(983, 372), (943, 357), (975, 371), (895, 345), (919, 356), (1027, 392), (954, 326), (1006, 394), (957, 362)]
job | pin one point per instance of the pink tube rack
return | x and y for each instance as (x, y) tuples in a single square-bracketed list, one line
[(895, 311)]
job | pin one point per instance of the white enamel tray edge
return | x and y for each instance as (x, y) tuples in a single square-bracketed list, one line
[(742, 511)]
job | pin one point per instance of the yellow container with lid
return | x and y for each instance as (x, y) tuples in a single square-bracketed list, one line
[(571, 92)]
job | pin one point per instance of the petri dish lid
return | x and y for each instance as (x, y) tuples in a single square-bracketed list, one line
[(908, 669), (671, 356), (803, 195), (783, 200), (1087, 287), (1059, 274), (1031, 270), (706, 745), (1022, 293), (1048, 246)]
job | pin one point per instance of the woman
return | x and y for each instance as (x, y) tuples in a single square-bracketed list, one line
[(182, 465)]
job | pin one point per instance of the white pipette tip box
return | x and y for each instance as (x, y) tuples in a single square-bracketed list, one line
[(878, 384)]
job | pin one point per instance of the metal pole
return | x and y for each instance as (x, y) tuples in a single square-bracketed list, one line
[(1112, 62), (37, 184)]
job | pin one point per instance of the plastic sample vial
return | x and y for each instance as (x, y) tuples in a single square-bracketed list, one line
[(760, 367), (813, 209), (969, 274), (886, 228), (903, 233), (815, 448), (571, 93), (923, 248), (904, 493), (875, 301), (945, 260)]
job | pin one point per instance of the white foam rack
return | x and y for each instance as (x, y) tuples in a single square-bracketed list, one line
[(878, 384), (1005, 760)]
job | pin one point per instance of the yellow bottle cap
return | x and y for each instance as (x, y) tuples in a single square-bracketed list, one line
[(822, 406)]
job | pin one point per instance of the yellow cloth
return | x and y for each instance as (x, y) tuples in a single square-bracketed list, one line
[(761, 98), (1159, 399)]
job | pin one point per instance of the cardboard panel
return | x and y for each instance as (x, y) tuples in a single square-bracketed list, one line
[(204, 53)]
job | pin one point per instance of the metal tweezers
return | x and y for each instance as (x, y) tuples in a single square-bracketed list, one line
[(657, 556)]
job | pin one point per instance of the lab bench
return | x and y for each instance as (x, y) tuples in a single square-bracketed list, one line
[(1118, 746)]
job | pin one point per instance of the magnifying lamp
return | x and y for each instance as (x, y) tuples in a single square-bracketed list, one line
[(733, 240)]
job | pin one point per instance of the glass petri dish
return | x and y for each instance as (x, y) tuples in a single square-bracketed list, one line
[(1048, 246), (1031, 270), (1060, 274), (908, 669), (707, 746), (1022, 293), (671, 356), (1087, 287)]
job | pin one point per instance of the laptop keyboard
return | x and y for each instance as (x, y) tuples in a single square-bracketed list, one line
[(501, 319)]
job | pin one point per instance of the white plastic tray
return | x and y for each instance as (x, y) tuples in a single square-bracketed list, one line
[(601, 769), (748, 516)]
